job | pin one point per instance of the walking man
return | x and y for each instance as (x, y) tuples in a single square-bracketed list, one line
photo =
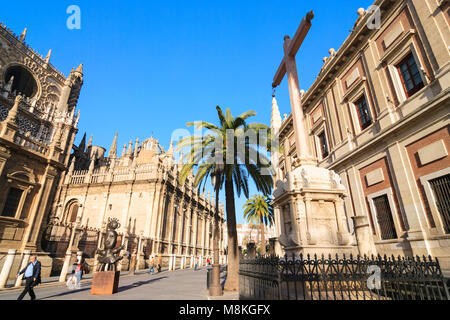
[(32, 277)]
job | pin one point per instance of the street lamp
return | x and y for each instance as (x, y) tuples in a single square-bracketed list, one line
[(215, 288)]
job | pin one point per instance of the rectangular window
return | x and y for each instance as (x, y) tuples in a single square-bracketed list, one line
[(12, 202), (323, 144), (410, 75), (384, 218), (364, 115), (441, 190)]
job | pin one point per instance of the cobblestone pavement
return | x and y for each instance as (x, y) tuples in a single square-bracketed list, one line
[(176, 285)]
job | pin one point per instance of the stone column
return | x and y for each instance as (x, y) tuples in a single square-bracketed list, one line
[(63, 275), (25, 260), (203, 235), (4, 275), (363, 236), (309, 226), (295, 222), (66, 265), (195, 230), (139, 253), (343, 235), (170, 262)]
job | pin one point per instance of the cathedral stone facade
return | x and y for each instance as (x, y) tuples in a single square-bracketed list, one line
[(38, 124), (140, 188)]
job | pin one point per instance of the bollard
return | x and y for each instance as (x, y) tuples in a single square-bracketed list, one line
[(4, 275)]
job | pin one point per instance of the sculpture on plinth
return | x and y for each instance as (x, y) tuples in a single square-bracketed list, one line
[(109, 256), (106, 280)]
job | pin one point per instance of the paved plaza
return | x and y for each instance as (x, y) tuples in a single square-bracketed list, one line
[(175, 285)]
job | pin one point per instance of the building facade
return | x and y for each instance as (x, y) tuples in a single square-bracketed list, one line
[(141, 189), (38, 124), (378, 116)]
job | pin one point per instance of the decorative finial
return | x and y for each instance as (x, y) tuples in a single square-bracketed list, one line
[(23, 35), (47, 58)]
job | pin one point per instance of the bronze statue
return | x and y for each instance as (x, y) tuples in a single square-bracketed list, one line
[(109, 256)]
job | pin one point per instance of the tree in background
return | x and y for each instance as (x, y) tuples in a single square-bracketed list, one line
[(258, 210)]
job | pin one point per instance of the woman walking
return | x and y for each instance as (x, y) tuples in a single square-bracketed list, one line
[(79, 271)]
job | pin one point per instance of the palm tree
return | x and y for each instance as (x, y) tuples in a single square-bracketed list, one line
[(258, 210), (230, 153)]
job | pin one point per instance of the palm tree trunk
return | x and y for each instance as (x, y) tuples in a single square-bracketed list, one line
[(263, 240), (232, 282)]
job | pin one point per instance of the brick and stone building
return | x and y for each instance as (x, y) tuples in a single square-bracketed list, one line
[(378, 116), (38, 123), (141, 189)]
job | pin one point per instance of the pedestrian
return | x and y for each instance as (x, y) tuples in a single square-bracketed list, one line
[(79, 269), (152, 266), (195, 263), (32, 277), (159, 262)]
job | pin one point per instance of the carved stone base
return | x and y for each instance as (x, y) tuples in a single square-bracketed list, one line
[(309, 209), (105, 283)]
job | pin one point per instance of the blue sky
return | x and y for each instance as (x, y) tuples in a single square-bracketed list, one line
[(152, 66)]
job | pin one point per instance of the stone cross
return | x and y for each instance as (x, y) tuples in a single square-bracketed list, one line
[(288, 66)]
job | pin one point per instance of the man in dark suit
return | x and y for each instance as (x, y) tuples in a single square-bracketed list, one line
[(32, 277)]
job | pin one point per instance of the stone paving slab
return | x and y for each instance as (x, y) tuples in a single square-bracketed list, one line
[(175, 285)]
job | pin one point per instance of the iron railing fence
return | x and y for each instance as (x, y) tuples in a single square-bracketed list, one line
[(341, 278)]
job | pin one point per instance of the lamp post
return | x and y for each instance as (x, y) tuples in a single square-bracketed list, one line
[(215, 288)]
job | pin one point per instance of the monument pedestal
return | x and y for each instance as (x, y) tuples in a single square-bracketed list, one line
[(309, 209), (105, 283)]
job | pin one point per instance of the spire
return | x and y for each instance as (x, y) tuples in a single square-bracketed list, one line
[(79, 69), (82, 145), (113, 149), (124, 150), (136, 146), (90, 142), (23, 35), (49, 54), (170, 151), (12, 115), (130, 145), (275, 122)]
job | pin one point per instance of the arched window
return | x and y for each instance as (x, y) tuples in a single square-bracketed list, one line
[(72, 211), (23, 82)]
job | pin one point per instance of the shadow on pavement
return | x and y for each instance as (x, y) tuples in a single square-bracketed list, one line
[(139, 283), (66, 293)]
